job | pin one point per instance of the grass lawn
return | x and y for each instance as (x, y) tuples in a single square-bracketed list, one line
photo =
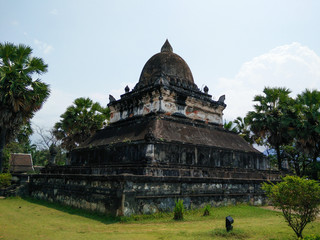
[(31, 219)]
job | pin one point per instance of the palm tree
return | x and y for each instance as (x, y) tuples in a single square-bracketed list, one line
[(20, 95), (272, 118), (79, 122), (243, 129), (229, 126), (308, 127)]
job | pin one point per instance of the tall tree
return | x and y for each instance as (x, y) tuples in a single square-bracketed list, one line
[(79, 122), (20, 95), (308, 126), (272, 119)]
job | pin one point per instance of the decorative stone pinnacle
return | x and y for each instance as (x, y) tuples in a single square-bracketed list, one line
[(166, 47), (206, 89)]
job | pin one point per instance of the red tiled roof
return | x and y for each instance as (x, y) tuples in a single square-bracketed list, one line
[(20, 162)]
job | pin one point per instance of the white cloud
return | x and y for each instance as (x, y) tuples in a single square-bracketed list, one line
[(292, 66), (50, 113), (101, 98), (60, 100), (54, 11), (15, 23), (43, 47)]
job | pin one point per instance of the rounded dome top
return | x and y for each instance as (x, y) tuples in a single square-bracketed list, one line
[(166, 64)]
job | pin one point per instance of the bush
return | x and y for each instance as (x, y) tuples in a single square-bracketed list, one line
[(178, 210), (207, 210), (298, 198), (5, 180)]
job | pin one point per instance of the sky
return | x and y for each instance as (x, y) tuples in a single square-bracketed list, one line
[(95, 48)]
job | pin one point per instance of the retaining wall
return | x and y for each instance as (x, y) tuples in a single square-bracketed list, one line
[(131, 194)]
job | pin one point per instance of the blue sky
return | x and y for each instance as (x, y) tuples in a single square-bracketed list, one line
[(95, 48)]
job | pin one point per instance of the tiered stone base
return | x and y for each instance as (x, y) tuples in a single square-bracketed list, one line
[(132, 194)]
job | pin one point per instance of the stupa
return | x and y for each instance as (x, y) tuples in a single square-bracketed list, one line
[(165, 141)]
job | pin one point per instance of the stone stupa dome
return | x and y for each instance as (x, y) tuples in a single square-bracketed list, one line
[(168, 65)]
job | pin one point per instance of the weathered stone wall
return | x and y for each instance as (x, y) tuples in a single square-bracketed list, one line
[(167, 154), (128, 194), (93, 193), (170, 101)]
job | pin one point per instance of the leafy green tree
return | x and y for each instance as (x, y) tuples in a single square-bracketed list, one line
[(298, 161), (20, 95), (79, 122), (271, 121), (46, 142), (308, 126), (20, 144), (298, 198), (41, 157)]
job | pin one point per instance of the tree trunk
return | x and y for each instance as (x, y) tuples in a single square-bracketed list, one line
[(304, 166), (297, 168), (279, 157), (3, 132), (299, 235), (315, 169)]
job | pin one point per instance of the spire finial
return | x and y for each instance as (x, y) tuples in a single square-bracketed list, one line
[(166, 47)]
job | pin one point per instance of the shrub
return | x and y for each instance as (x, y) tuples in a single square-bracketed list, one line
[(5, 179), (207, 210), (178, 210), (298, 198)]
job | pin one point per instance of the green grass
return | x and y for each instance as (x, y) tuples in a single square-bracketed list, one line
[(33, 219)]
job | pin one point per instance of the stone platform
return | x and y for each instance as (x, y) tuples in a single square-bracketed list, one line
[(127, 194)]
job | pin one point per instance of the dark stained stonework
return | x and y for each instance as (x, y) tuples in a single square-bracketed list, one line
[(164, 141), (169, 66), (132, 194), (155, 142), (166, 129)]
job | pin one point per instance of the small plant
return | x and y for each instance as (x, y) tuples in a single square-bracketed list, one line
[(178, 210), (207, 210), (5, 180), (298, 198)]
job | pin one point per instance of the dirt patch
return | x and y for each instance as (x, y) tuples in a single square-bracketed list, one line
[(272, 208)]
